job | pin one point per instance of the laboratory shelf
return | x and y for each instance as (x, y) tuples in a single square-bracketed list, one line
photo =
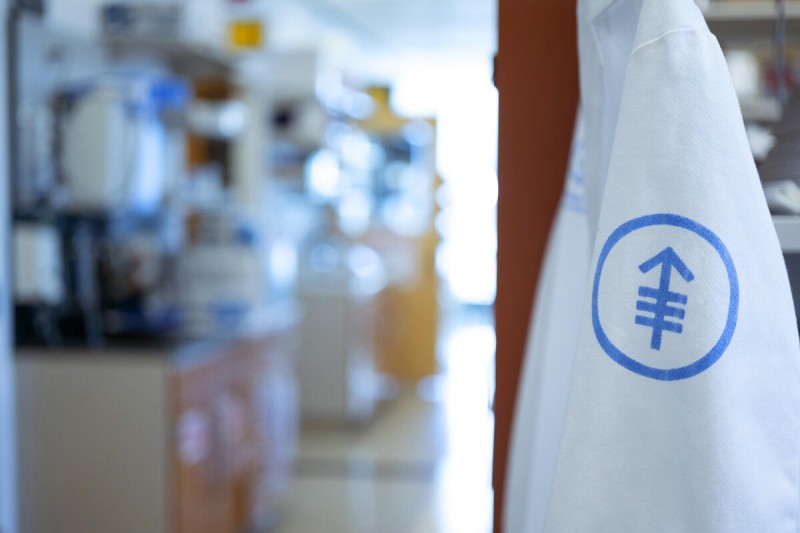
[(747, 11), (750, 21), (788, 229), (761, 108), (186, 57)]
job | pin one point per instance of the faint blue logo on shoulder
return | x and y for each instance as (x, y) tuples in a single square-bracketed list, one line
[(661, 309)]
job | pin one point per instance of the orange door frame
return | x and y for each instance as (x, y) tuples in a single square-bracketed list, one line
[(536, 73)]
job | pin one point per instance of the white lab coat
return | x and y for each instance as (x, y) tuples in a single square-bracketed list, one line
[(684, 396)]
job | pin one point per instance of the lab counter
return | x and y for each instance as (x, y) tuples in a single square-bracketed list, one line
[(183, 349), (179, 436)]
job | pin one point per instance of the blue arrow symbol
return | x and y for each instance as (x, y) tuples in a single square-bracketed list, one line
[(669, 260), (661, 308)]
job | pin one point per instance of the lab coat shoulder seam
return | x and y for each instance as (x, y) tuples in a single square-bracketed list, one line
[(663, 36)]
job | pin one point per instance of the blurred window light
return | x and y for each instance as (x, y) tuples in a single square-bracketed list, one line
[(355, 209), (323, 175), (470, 272), (466, 154)]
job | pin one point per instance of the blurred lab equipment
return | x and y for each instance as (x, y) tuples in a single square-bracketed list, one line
[(221, 274), (138, 190), (119, 154), (114, 143), (38, 271), (339, 284), (403, 233)]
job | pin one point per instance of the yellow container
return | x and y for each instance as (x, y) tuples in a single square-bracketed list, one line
[(245, 34)]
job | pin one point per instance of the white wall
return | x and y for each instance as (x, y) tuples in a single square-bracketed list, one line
[(7, 426)]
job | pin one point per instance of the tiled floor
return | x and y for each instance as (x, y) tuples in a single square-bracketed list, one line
[(422, 466)]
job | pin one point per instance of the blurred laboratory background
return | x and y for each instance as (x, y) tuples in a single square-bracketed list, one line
[(252, 264)]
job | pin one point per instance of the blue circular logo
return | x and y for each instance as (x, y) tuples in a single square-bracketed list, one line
[(661, 306)]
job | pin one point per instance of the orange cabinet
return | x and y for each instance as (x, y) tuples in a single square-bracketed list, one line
[(203, 475), (235, 429)]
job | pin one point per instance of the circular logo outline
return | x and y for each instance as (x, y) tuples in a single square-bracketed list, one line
[(700, 365)]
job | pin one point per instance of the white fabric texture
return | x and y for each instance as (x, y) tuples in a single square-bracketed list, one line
[(547, 364), (606, 31), (683, 410)]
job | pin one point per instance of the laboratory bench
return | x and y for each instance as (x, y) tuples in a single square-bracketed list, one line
[(184, 436)]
